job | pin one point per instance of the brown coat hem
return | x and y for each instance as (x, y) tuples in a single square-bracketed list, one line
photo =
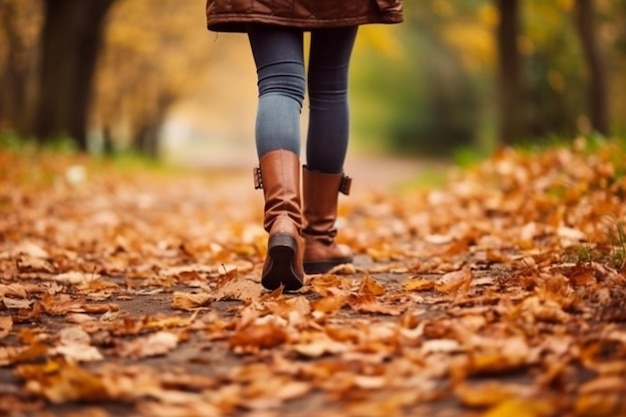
[(237, 23), (236, 15)]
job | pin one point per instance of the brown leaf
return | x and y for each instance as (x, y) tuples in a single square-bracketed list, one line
[(156, 344), (98, 308), (522, 408), (70, 383), (483, 395), (60, 304), (418, 284), (75, 278), (190, 301), (441, 345), (453, 282), (12, 303), (370, 286), (6, 324), (238, 288), (13, 291), (330, 304), (603, 396), (328, 284), (499, 356), (258, 336), (367, 303), (319, 346), (31, 249)]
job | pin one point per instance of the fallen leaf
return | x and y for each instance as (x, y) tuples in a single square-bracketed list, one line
[(6, 324), (320, 347), (238, 288), (440, 345), (453, 282), (258, 336), (368, 303), (418, 284), (371, 286), (12, 303), (156, 344), (483, 395), (522, 408), (329, 305), (190, 301), (75, 278)]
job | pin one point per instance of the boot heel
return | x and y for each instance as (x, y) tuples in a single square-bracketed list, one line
[(282, 245), (281, 250)]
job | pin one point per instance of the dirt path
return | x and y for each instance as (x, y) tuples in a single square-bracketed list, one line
[(137, 293)]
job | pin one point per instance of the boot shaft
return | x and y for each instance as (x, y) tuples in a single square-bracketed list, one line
[(279, 177), (320, 199)]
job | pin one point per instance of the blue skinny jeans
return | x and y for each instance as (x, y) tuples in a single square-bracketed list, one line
[(279, 57)]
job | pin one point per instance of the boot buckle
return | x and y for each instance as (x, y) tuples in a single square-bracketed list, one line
[(345, 185), (258, 180)]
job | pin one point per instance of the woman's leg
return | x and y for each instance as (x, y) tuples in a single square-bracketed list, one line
[(327, 142), (328, 131), (280, 68), (278, 54)]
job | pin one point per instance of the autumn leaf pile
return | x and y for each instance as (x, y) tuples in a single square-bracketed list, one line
[(136, 292)]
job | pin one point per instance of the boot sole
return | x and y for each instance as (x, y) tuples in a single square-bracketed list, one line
[(321, 267), (281, 251)]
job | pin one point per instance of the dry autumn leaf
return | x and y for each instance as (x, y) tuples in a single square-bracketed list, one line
[(258, 336), (522, 408), (453, 282), (418, 284), (6, 324), (190, 301), (156, 344)]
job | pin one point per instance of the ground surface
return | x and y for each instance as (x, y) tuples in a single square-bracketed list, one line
[(136, 292)]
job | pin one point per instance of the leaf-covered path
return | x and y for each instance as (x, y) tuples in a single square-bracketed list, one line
[(136, 292)]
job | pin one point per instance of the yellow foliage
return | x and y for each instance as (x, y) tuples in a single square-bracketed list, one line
[(154, 54), (474, 42), (565, 4), (381, 39), (443, 8), (488, 15)]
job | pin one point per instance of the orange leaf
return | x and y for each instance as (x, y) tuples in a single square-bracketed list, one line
[(370, 286), (452, 282), (418, 284), (258, 336), (522, 408), (6, 324), (329, 305)]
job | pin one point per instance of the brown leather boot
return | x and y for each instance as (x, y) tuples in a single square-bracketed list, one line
[(320, 194), (279, 177)]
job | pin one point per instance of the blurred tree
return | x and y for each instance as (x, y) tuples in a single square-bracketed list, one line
[(597, 100), (423, 97), (19, 30), (509, 72), (70, 42), (155, 54)]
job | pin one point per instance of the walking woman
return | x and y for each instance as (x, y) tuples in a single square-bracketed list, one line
[(301, 228)]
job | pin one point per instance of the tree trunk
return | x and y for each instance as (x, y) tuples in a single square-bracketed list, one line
[(509, 73), (597, 100), (146, 139), (71, 40), (16, 76)]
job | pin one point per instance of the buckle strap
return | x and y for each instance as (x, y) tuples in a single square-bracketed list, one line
[(258, 180), (345, 184)]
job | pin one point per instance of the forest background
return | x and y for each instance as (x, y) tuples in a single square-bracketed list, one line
[(109, 76)]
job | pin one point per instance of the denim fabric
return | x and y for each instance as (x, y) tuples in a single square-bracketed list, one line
[(279, 58)]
